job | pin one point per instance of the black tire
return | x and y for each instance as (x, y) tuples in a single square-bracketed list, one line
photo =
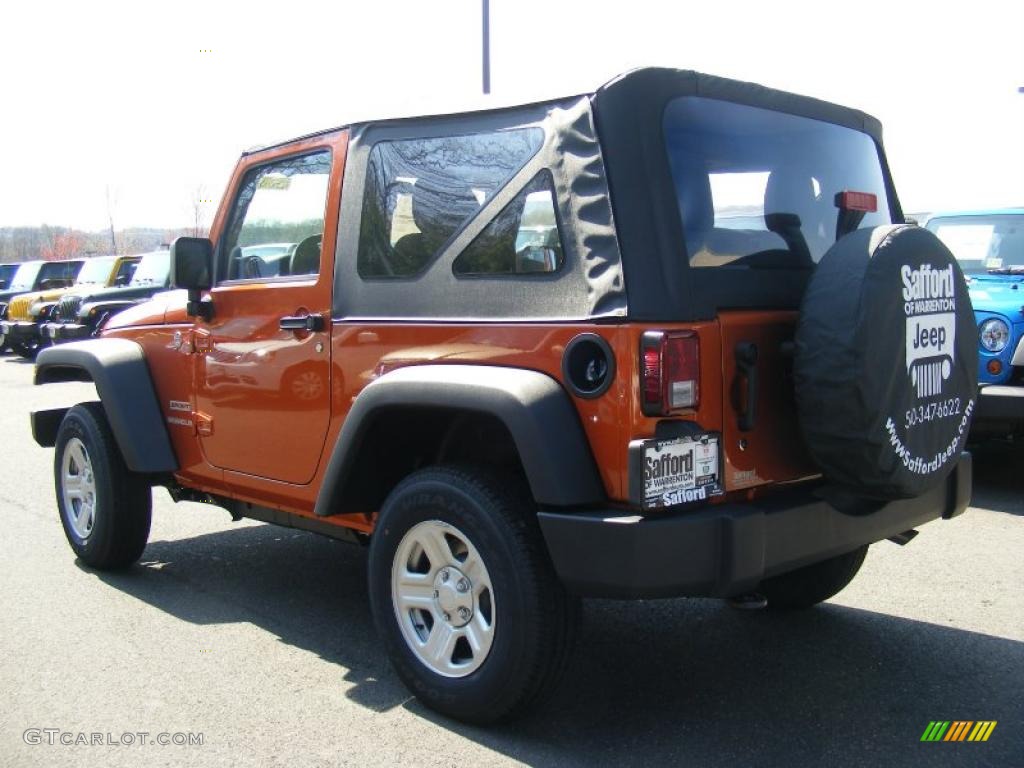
[(534, 618), (27, 350), (122, 502), (812, 584)]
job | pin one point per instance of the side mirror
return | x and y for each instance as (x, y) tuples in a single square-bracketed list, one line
[(192, 268)]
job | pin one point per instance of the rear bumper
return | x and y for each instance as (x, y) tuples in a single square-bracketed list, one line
[(66, 331), (19, 330), (729, 548)]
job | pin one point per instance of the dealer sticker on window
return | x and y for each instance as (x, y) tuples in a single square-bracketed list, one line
[(680, 471)]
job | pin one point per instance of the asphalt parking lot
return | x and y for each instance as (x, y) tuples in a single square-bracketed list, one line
[(260, 640)]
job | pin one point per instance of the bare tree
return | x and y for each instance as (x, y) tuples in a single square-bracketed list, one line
[(198, 210), (110, 218)]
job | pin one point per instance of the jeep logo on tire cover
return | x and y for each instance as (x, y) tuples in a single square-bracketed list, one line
[(929, 301)]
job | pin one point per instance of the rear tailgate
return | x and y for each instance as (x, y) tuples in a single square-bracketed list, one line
[(760, 436)]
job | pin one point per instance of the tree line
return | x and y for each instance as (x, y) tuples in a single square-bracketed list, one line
[(54, 243)]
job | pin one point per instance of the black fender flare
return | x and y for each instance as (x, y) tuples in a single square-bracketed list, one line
[(533, 406), (118, 368)]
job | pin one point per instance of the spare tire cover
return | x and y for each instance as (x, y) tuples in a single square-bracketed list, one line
[(886, 362)]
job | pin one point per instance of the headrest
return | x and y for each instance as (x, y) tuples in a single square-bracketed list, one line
[(693, 190), (791, 191)]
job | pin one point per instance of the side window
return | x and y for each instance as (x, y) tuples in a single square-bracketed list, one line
[(420, 192), (277, 222), (522, 239)]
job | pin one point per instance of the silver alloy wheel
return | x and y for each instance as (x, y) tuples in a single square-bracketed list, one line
[(443, 599), (78, 486)]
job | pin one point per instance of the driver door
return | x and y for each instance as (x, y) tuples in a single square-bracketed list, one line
[(263, 360)]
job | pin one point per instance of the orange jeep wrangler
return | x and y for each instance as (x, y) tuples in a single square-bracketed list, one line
[(668, 338)]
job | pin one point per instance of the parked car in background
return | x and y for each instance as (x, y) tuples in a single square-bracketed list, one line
[(36, 276), (6, 273), (80, 315), (26, 312), (990, 248)]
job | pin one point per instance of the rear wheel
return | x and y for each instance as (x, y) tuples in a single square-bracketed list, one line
[(812, 584), (464, 596), (105, 509)]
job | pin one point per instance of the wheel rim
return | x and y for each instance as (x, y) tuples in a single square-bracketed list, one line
[(308, 385), (78, 487), (443, 598)]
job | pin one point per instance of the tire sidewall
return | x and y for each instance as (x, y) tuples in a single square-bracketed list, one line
[(432, 499), (78, 424)]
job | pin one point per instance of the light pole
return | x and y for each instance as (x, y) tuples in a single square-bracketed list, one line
[(487, 45)]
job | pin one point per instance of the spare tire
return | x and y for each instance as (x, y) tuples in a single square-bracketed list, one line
[(886, 362)]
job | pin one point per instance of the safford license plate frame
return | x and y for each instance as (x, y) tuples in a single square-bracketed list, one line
[(679, 470)]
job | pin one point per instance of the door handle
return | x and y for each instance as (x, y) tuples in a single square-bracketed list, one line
[(308, 323), (746, 365)]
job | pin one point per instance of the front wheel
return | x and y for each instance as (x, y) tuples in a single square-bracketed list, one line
[(105, 509), (464, 595), (26, 349)]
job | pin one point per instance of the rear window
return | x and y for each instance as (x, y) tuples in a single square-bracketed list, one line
[(757, 188), (993, 243)]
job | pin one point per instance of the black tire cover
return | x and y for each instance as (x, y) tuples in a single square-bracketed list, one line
[(886, 362)]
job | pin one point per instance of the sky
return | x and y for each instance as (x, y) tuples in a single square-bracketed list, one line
[(154, 102)]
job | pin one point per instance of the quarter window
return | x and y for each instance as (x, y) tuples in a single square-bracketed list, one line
[(522, 239), (420, 192), (277, 223)]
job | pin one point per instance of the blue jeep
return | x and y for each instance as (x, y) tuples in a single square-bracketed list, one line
[(990, 248)]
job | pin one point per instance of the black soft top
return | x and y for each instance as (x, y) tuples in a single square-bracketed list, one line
[(640, 269), (660, 284), (645, 92)]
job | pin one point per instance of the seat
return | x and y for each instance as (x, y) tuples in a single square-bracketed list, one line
[(792, 191), (306, 259)]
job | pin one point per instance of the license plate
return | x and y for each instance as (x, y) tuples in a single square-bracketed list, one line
[(681, 471)]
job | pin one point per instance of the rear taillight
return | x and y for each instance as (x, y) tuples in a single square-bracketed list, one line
[(669, 371)]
